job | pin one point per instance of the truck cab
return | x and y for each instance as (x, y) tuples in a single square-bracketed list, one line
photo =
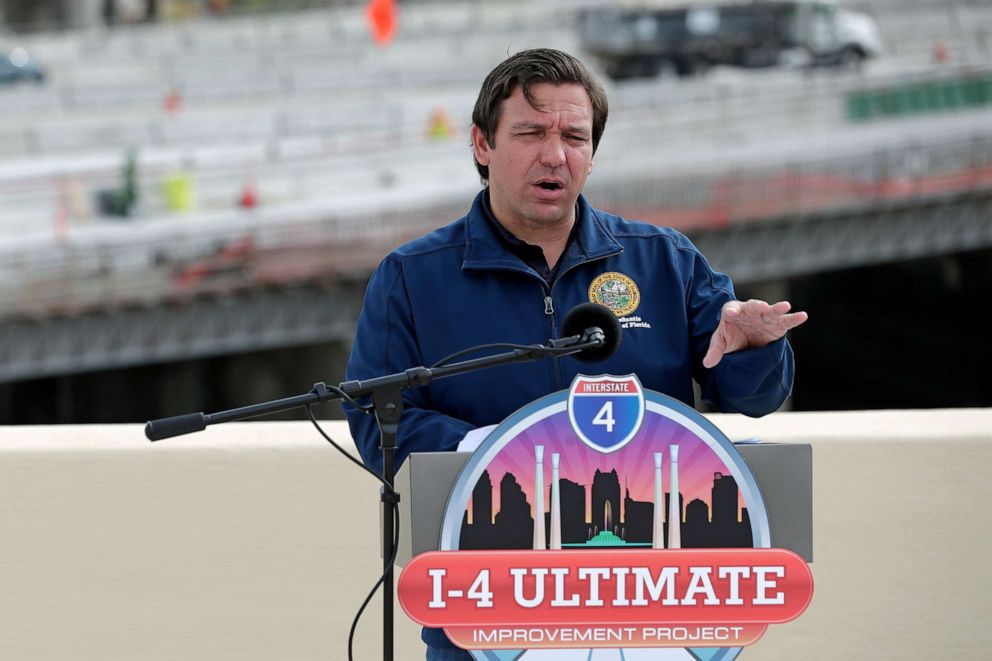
[(644, 39)]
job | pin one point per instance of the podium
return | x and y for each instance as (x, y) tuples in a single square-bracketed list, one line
[(783, 471)]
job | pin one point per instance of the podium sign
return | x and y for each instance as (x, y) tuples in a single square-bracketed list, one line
[(605, 517)]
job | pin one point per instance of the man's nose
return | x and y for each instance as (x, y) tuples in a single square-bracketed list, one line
[(553, 151)]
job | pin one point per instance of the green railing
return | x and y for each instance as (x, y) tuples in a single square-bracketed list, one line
[(924, 97)]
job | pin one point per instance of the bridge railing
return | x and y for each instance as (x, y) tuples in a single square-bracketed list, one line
[(168, 259), (901, 173), (219, 146)]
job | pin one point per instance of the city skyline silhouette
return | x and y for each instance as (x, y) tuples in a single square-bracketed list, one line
[(721, 522), (697, 462)]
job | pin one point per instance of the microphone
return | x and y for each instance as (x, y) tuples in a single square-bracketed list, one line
[(588, 322)]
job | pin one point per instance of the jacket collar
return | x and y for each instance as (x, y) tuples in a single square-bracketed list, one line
[(484, 250)]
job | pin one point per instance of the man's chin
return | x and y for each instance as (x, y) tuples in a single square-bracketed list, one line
[(547, 213)]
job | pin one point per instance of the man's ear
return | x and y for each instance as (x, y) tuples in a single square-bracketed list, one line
[(480, 146)]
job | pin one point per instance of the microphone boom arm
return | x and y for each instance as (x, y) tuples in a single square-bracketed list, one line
[(415, 377)]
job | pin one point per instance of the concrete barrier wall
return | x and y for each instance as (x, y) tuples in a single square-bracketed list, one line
[(259, 541)]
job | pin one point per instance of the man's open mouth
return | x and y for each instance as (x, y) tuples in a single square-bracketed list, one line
[(550, 185)]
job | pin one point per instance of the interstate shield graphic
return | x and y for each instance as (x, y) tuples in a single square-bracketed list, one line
[(606, 411)]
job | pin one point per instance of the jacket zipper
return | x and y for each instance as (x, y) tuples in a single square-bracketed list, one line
[(549, 313), (557, 371)]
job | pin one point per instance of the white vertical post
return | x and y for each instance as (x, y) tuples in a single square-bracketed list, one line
[(674, 504), (658, 530), (539, 539), (555, 504)]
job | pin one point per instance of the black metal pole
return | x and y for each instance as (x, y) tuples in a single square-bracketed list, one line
[(388, 403)]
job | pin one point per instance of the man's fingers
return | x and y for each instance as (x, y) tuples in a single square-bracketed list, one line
[(712, 358), (790, 321), (731, 310), (718, 344), (776, 314), (781, 307), (778, 325)]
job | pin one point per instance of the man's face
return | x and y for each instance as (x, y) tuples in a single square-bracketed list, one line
[(540, 156)]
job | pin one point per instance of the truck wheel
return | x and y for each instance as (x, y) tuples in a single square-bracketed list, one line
[(851, 59), (684, 66)]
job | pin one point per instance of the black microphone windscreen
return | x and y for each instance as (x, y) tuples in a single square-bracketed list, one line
[(157, 430), (588, 315)]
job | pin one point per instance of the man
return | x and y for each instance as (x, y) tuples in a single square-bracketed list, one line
[(530, 248)]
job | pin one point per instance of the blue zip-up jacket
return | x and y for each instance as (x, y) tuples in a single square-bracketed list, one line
[(459, 286)]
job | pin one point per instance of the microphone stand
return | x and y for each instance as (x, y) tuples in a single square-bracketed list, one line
[(387, 403)]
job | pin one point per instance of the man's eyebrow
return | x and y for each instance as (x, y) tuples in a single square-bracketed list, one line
[(572, 128), (529, 125)]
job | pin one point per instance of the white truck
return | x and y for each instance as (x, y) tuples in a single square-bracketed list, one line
[(643, 39)]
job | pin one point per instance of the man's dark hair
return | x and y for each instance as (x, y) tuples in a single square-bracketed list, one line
[(526, 69)]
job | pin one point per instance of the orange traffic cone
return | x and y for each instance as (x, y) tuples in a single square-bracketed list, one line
[(381, 17)]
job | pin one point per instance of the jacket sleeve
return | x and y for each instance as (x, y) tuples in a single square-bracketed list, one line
[(386, 343), (752, 381)]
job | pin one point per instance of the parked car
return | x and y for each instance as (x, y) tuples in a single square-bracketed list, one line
[(640, 41), (16, 65)]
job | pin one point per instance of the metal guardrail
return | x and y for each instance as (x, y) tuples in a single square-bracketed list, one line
[(169, 259), (932, 96), (220, 146), (901, 174)]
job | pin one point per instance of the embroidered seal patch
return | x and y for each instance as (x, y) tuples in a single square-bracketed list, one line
[(616, 291)]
